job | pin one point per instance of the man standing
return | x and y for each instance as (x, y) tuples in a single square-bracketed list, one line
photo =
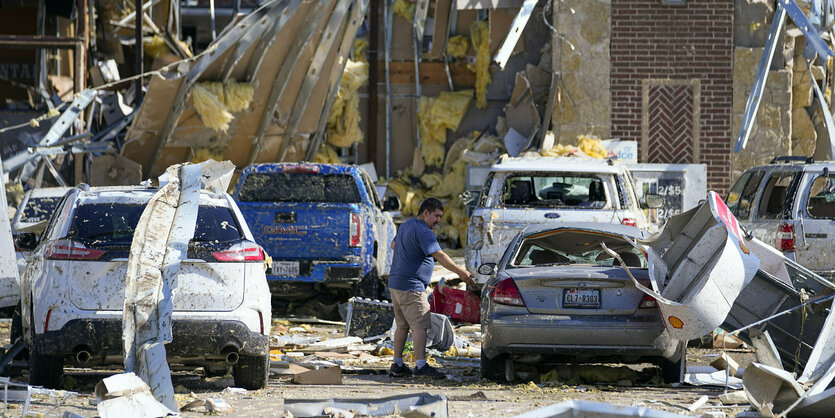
[(415, 252)]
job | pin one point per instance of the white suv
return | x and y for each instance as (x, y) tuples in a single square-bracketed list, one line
[(520, 192), (790, 203), (73, 291)]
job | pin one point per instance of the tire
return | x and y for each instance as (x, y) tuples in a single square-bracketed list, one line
[(369, 286), (45, 371), (492, 369), (671, 370), (17, 326), (252, 373)]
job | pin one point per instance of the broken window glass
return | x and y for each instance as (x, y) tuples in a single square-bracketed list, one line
[(576, 248), (775, 199), (822, 198), (40, 208), (300, 187), (746, 198)]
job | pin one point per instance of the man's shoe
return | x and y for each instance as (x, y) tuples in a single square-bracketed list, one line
[(400, 371), (429, 371)]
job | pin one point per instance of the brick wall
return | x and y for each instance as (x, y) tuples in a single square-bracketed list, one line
[(651, 44)]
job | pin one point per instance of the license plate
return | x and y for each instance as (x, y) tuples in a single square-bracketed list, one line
[(285, 268), (581, 298)]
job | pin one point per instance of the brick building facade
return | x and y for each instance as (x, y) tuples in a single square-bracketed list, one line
[(672, 82)]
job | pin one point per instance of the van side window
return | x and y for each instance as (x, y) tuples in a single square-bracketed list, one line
[(822, 198), (775, 195), (742, 205)]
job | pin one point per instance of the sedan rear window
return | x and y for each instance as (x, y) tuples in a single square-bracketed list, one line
[(555, 190), (575, 247), (114, 224), (300, 187), (40, 208)]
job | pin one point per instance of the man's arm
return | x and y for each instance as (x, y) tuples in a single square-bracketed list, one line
[(450, 265)]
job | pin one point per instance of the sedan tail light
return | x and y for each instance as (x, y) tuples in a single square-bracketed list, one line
[(629, 222), (506, 293), (785, 237), (245, 251), (355, 229), (648, 302), (66, 249)]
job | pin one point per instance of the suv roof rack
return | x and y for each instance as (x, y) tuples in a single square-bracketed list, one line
[(792, 159)]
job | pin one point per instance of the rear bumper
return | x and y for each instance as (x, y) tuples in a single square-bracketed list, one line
[(315, 271), (580, 337), (193, 339)]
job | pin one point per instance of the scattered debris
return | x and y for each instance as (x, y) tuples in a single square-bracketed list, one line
[(420, 404), (126, 395), (594, 409), (323, 376)]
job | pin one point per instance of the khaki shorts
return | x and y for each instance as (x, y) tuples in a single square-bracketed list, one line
[(411, 309)]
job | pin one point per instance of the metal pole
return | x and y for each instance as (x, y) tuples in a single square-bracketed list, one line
[(389, 17), (139, 55), (212, 15), (373, 56)]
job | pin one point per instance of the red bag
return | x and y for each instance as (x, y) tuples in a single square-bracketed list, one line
[(458, 305)]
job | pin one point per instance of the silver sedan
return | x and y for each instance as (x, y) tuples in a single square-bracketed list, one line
[(556, 296)]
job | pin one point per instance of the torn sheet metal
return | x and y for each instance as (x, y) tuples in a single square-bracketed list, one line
[(698, 264), (519, 23), (418, 404), (588, 409), (753, 104), (126, 396), (293, 82), (521, 112), (160, 243), (770, 390)]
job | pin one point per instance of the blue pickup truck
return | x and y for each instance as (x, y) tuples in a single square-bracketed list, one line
[(323, 225)]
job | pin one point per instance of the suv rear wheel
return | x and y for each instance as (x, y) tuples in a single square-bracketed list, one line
[(46, 371), (252, 372)]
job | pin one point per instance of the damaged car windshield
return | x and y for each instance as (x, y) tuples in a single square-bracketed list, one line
[(108, 223), (300, 187), (573, 247), (40, 208), (555, 190)]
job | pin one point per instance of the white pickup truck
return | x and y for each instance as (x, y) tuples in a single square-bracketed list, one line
[(520, 192)]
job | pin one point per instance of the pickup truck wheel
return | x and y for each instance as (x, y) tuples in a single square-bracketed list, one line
[(492, 369), (252, 373), (369, 286)]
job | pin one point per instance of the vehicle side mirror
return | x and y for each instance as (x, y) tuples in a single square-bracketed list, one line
[(652, 201), (487, 269), (26, 241), (391, 203)]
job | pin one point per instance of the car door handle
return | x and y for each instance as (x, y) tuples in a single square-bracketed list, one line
[(815, 235), (285, 217)]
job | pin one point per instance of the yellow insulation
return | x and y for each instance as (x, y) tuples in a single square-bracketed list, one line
[(208, 153), (404, 9), (480, 36), (344, 120), (237, 95), (326, 155), (588, 145), (360, 45), (457, 46), (436, 115), (213, 113)]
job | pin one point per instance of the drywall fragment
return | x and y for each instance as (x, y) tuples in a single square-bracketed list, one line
[(126, 396), (324, 376)]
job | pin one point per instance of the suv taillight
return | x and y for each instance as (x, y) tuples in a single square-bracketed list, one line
[(648, 302), (245, 251), (66, 249), (506, 293), (785, 237), (355, 229), (629, 222)]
